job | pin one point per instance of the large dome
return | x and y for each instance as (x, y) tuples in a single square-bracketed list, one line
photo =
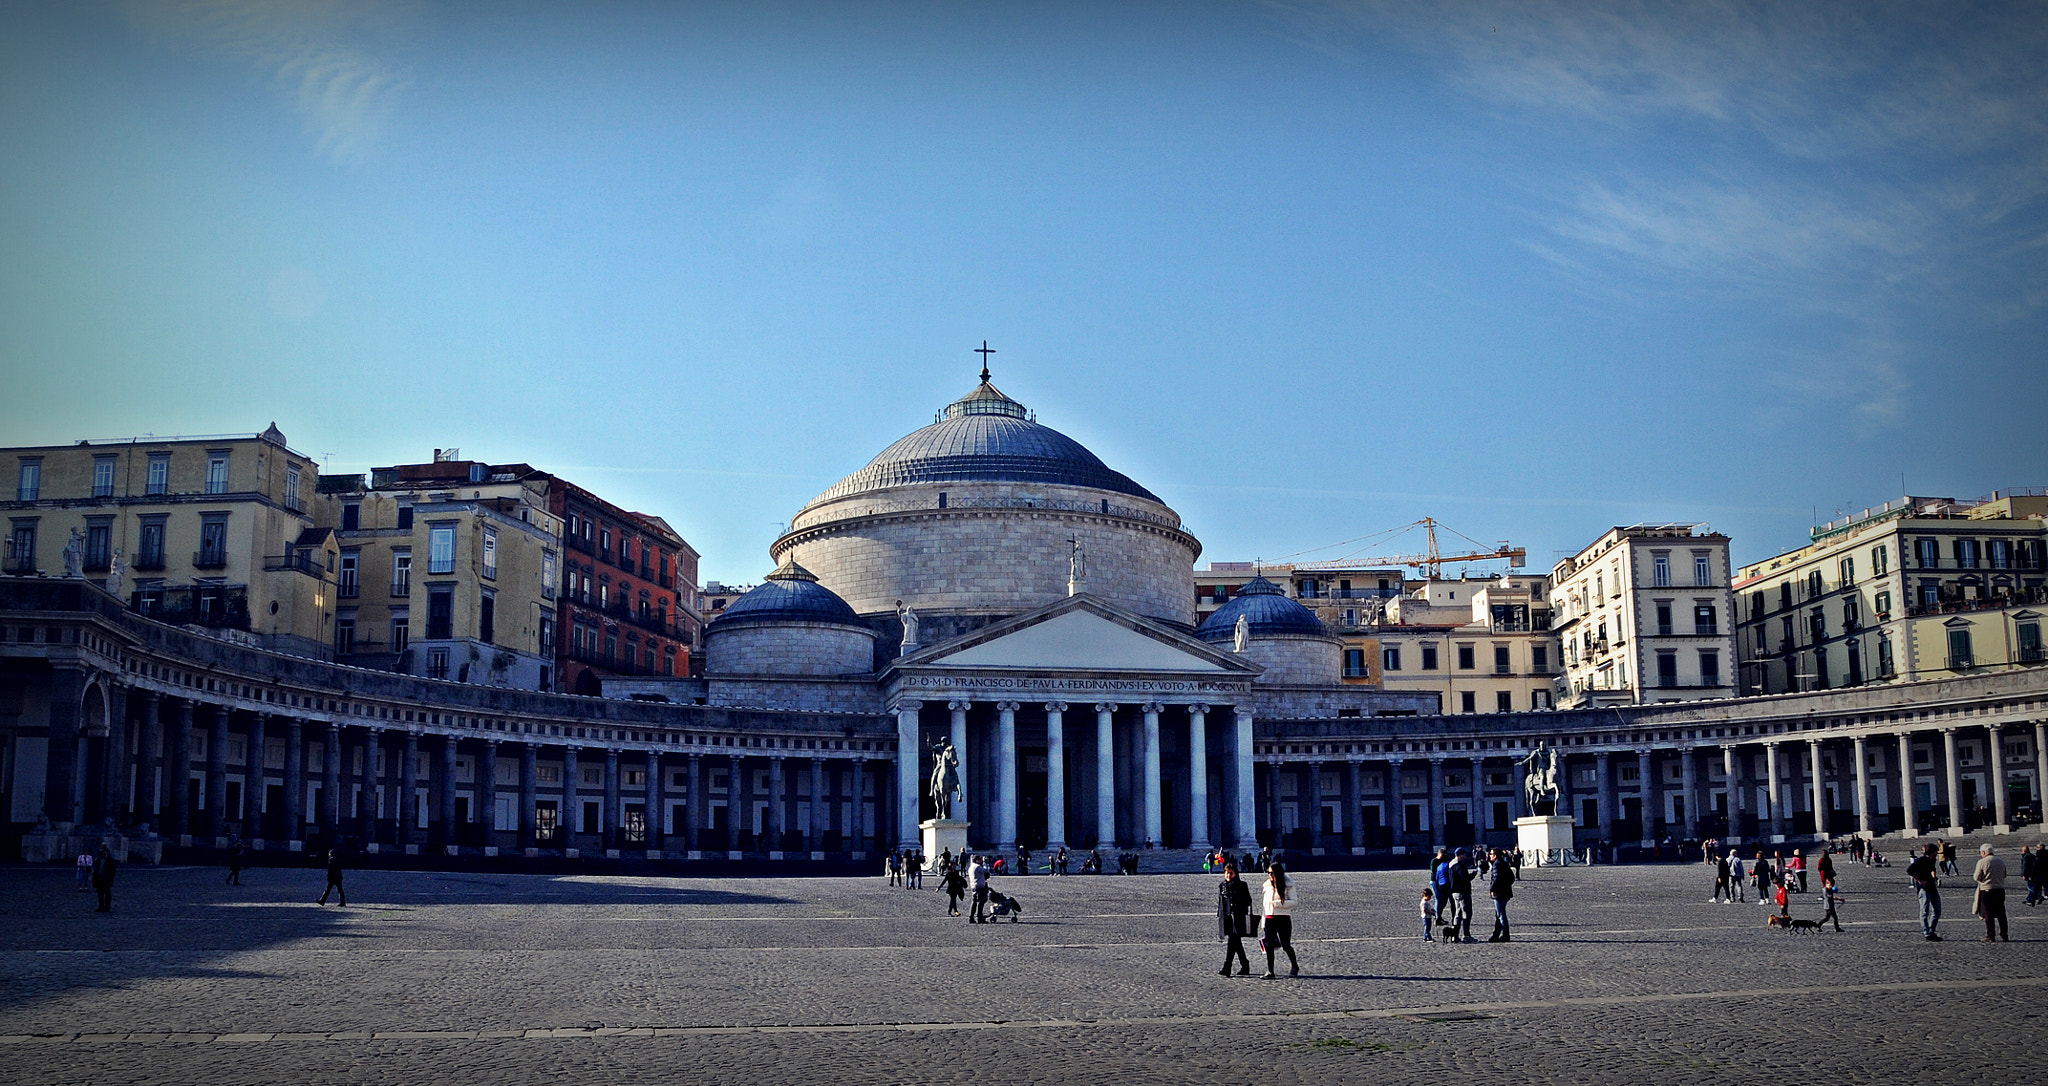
[(1267, 610), (790, 594), (985, 437)]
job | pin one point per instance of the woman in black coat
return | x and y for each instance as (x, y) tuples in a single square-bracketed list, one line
[(1233, 905)]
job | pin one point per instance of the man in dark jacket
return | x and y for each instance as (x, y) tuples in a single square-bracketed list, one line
[(1925, 880), (336, 860), (103, 867), (1461, 894), (1233, 906), (1501, 890)]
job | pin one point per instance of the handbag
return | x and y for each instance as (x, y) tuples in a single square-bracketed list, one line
[(1251, 927)]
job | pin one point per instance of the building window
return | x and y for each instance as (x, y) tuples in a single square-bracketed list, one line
[(1702, 569), (28, 484), (441, 549), (291, 488), (1390, 658), (547, 636), (216, 473), (345, 633), (604, 544), (351, 516), (102, 476), (1710, 668), (1503, 701), (1819, 624), (487, 618), (1966, 553), (1930, 593), (1354, 663), (213, 542), (1465, 659), (405, 518), (158, 480), (1429, 656), (1855, 654), (1959, 655), (1664, 617), (1884, 658), (547, 575), (1539, 659), (1847, 568), (437, 663), (1502, 664), (401, 571), (1851, 616), (149, 543), (490, 553), (1882, 604), (1878, 560), (1468, 701), (440, 613), (1667, 669), (2030, 642), (99, 540), (2000, 553), (401, 628), (1815, 587), (1660, 570), (1930, 553), (1705, 622), (345, 581)]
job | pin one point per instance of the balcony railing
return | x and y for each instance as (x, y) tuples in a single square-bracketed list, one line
[(300, 561), (148, 561), (209, 560), (2033, 655), (20, 567)]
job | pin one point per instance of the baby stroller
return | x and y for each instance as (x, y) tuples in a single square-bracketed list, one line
[(1002, 904)]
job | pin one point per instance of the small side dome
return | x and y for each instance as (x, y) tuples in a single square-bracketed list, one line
[(790, 594), (1270, 611)]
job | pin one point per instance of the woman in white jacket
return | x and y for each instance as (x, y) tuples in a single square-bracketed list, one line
[(1280, 900)]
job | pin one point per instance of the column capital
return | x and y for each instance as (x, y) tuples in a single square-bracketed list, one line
[(1055, 706), (907, 706), (959, 706), (1199, 708), (1152, 707), (1105, 707), (1007, 706)]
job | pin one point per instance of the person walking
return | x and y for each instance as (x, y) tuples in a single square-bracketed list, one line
[(977, 879), (234, 861), (2030, 873), (1279, 909), (1761, 871), (955, 885), (1834, 899), (85, 862), (1736, 874), (1990, 878), (1440, 879), (1927, 880), (1721, 886), (335, 859), (102, 871), (894, 868), (1501, 890), (1233, 912)]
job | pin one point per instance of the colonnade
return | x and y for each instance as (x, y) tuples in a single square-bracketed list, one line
[(1911, 781), (1124, 764)]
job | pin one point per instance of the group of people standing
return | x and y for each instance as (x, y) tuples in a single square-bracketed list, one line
[(1447, 901), (1235, 921), (1988, 876)]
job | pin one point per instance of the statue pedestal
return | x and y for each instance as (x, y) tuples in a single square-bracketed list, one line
[(942, 835), (1538, 835)]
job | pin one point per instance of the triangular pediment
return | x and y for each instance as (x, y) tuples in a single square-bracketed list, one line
[(1080, 634)]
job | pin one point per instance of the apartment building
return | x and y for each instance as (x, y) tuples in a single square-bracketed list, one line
[(1916, 588), (1645, 615), (219, 532), (1482, 645), (630, 604)]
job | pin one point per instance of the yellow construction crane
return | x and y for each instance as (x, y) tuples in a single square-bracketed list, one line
[(1432, 559)]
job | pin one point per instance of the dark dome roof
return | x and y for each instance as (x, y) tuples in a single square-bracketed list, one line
[(790, 594), (1269, 609), (986, 437)]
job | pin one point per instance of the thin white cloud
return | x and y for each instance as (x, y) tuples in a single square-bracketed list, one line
[(333, 60)]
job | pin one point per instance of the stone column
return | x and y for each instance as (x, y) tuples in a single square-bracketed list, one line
[(529, 794), (178, 820), (860, 791), (959, 736), (409, 792), (1862, 787), (1314, 799), (1478, 802), (1689, 825), (1276, 817), (293, 816), (1244, 783), (1820, 792), (821, 812), (910, 770), (1955, 782), (1604, 777), (735, 801), (1105, 776), (371, 782), (1908, 801), (655, 815), (1732, 782), (252, 782), (1055, 776), (2002, 821), (1436, 799), (149, 761), (1354, 803), (1648, 799), (487, 793), (217, 773), (696, 805), (330, 781), (614, 803), (567, 820), (449, 781), (1153, 825), (1777, 832), (1005, 792), (775, 800), (1198, 778)]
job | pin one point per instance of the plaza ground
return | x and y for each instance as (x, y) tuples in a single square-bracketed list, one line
[(1616, 974)]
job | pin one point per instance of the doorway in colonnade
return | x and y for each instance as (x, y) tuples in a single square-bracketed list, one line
[(272, 824), (1031, 791), (1458, 830)]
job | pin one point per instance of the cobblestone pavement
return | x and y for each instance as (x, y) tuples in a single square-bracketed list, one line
[(1615, 975)]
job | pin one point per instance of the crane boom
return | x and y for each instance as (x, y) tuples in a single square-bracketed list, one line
[(1431, 560)]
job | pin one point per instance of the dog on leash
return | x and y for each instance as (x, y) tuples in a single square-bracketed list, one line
[(1789, 924)]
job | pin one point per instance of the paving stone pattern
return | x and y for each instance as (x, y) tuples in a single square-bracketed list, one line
[(1617, 974)]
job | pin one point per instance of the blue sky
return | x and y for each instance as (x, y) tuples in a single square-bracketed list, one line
[(1307, 270)]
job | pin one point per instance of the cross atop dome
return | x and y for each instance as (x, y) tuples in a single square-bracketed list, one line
[(984, 351)]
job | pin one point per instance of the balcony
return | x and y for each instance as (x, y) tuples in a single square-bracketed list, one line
[(1362, 593), (148, 562), (2033, 654), (299, 561), (212, 606), (209, 560), (1961, 663), (19, 567)]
